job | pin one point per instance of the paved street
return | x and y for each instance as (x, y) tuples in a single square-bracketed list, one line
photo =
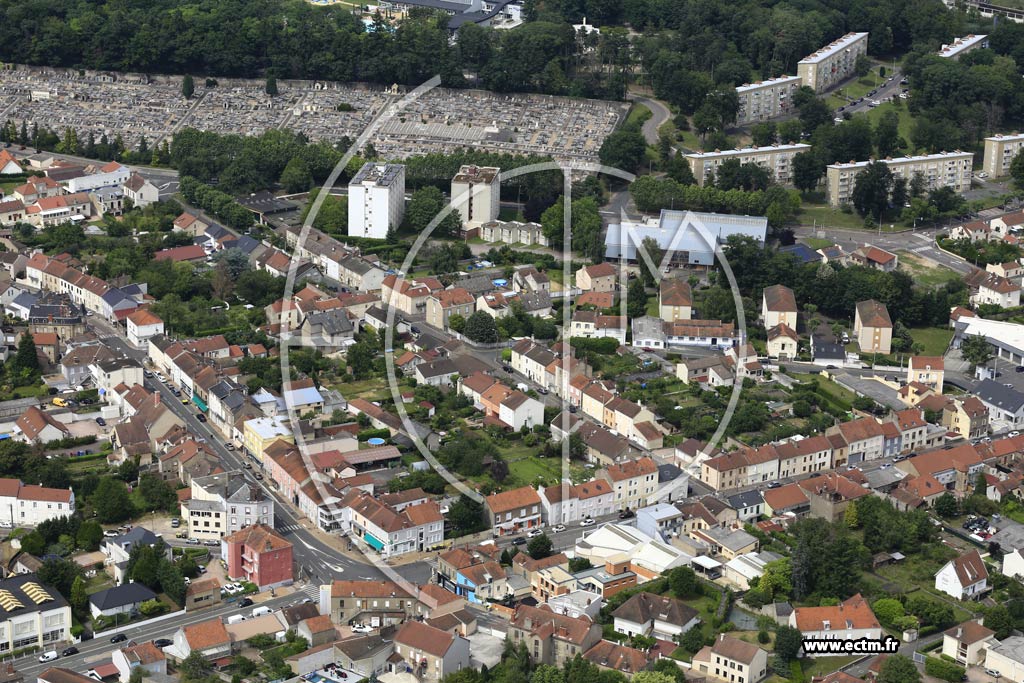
[(919, 242), (96, 651), (319, 560)]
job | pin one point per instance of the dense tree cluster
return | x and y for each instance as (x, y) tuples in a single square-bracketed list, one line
[(776, 203)]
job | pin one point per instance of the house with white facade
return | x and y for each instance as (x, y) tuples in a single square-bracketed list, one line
[(964, 577)]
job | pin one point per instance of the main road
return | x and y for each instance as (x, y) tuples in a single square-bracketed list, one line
[(318, 560)]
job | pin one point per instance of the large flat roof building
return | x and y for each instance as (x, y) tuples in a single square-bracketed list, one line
[(776, 159), (687, 237), (961, 46), (476, 192), (999, 153), (766, 99), (376, 200), (833, 63), (945, 169)]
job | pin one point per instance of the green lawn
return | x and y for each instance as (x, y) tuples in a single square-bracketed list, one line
[(925, 273), (934, 339), (638, 113), (825, 216), (906, 124), (528, 469), (853, 90), (817, 242), (825, 665), (843, 398)]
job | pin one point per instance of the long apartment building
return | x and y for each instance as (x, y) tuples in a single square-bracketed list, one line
[(961, 46), (999, 153), (946, 169), (766, 99), (833, 63), (777, 159)]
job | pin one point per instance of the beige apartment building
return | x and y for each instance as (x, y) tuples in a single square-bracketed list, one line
[(766, 99), (946, 169), (475, 194), (833, 63), (999, 153), (961, 46), (777, 159)]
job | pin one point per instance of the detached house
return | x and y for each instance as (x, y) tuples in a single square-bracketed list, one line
[(850, 620), (778, 307), (599, 278), (675, 300), (430, 652), (656, 616), (551, 638), (964, 577), (872, 327), (927, 370), (633, 482), (731, 659)]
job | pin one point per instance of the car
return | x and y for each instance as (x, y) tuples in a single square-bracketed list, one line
[(774, 484), (245, 602), (201, 568), (589, 521), (542, 391), (306, 601), (201, 417), (230, 446), (359, 628), (993, 673), (193, 541), (259, 477), (119, 638), (212, 543), (184, 401), (838, 119), (69, 651), (533, 533), (981, 175), (111, 533), (101, 422), (904, 95), (626, 514), (163, 642), (175, 522), (872, 92), (48, 656), (518, 541), (247, 465), (147, 373), (558, 528), (885, 465), (900, 458), (181, 534), (1014, 433)]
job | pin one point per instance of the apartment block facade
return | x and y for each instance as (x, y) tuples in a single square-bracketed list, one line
[(833, 63), (376, 200), (999, 153), (776, 159), (766, 99), (946, 169)]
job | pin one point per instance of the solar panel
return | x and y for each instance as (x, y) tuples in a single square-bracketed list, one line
[(9, 602), (36, 592)]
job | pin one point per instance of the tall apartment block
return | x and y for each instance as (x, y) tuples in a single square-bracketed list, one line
[(947, 169), (962, 46), (833, 63), (376, 200), (766, 99), (999, 153), (476, 193), (776, 158)]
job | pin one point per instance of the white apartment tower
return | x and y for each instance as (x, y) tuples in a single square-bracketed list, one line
[(766, 99), (946, 169), (999, 153), (376, 200), (476, 194)]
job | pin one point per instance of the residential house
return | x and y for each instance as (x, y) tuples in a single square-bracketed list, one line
[(872, 327), (372, 603), (852, 619), (611, 656), (873, 257), (778, 307), (511, 512), (675, 300), (146, 656), (964, 577), (442, 305), (1006, 658), (599, 278), (551, 638), (656, 616), (783, 342), (208, 638), (633, 482), (927, 370), (966, 643), (32, 615), (142, 325), (260, 555), (124, 599), (431, 652), (731, 659)]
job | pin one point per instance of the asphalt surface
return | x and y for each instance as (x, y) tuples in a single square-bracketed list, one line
[(890, 88), (919, 242)]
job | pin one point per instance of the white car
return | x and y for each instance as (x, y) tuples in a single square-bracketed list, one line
[(588, 522), (48, 656), (904, 95), (993, 673), (532, 533), (981, 175), (1014, 433), (111, 533), (359, 628), (558, 528)]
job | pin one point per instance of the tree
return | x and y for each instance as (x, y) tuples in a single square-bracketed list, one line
[(763, 133), (188, 88), (653, 677), (539, 547), (456, 323), (888, 611), (545, 673), (360, 357), (624, 149), (480, 327), (26, 361), (850, 517), (636, 298), (60, 573), (899, 669), (871, 189), (974, 349), (980, 484), (156, 492), (683, 582), (79, 598), (271, 86), (1017, 169), (296, 176), (862, 66), (111, 501), (887, 134), (946, 506), (89, 536), (787, 643), (578, 564), (466, 516), (807, 171), (649, 272), (999, 620), (194, 667), (693, 640)]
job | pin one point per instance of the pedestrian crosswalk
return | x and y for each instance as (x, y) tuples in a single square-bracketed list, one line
[(310, 590), (287, 528)]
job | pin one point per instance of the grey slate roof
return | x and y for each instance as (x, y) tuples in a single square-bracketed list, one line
[(121, 596), (1003, 397)]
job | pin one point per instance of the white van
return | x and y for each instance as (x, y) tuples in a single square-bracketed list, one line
[(235, 618), (261, 611)]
